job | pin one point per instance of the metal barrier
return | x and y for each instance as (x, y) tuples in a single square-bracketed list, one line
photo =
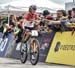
[(45, 41)]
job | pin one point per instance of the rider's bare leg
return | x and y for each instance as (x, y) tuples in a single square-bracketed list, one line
[(33, 45), (27, 35)]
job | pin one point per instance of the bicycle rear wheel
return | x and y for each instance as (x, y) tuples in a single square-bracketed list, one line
[(23, 51), (34, 52)]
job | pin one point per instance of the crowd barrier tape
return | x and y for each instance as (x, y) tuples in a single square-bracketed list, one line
[(62, 50), (4, 44), (44, 40)]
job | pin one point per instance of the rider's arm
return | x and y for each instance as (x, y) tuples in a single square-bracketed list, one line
[(24, 20), (23, 23)]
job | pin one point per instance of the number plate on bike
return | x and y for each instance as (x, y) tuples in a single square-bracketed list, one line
[(34, 33)]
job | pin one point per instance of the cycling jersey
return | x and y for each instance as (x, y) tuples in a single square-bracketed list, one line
[(30, 18)]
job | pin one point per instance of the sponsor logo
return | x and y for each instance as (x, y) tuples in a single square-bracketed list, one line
[(64, 47), (57, 46), (3, 44), (67, 47)]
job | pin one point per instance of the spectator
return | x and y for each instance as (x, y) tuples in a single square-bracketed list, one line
[(47, 15), (60, 14), (69, 14), (72, 20)]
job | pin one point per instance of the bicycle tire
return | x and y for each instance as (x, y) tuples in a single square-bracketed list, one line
[(34, 62), (23, 53)]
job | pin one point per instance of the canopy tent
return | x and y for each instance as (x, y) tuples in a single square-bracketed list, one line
[(5, 1), (41, 4), (62, 2), (56, 1), (39, 9), (21, 10)]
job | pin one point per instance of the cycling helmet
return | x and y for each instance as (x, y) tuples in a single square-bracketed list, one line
[(33, 7)]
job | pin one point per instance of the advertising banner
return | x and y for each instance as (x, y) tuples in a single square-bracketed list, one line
[(4, 43), (45, 43), (62, 50)]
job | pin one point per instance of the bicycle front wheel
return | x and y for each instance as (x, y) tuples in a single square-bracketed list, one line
[(34, 52)]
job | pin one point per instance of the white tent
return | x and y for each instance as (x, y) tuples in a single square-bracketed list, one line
[(5, 1), (41, 4), (56, 1)]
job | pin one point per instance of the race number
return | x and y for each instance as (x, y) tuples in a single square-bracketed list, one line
[(34, 33)]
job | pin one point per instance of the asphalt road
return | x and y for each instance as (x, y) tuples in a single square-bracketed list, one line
[(12, 63)]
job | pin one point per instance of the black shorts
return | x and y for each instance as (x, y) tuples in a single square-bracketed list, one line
[(29, 28)]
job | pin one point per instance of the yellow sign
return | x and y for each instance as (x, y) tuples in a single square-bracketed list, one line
[(62, 50)]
